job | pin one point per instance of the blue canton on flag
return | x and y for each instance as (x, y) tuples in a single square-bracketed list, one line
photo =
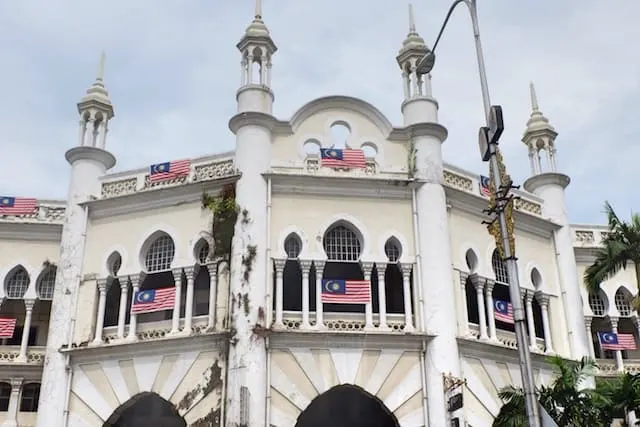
[(503, 311), (342, 158), (613, 341), (336, 291), (169, 170), (485, 188), (151, 300)]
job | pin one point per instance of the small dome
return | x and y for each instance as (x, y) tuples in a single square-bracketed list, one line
[(257, 28)]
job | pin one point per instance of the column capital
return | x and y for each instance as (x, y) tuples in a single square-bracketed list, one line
[(382, 266), (137, 278), (543, 299), (528, 295), (477, 281), (489, 285), (614, 321), (463, 276), (305, 265), (212, 267), (124, 282), (29, 303), (279, 263), (16, 383), (636, 320), (406, 268), (191, 271), (177, 274), (587, 321), (319, 264), (102, 284), (367, 266)]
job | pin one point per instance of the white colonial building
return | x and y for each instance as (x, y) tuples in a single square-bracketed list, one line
[(249, 342)]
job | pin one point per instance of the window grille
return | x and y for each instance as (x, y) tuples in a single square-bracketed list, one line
[(18, 283), (499, 268), (47, 284), (392, 250), (160, 254), (597, 304), (342, 244), (292, 246), (30, 397), (203, 252), (622, 303)]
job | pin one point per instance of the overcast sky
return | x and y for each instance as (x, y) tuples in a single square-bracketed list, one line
[(172, 71)]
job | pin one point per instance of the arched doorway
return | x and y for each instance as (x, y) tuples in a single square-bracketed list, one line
[(145, 410), (346, 406)]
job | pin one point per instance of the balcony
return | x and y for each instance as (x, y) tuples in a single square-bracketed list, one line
[(344, 322), (9, 354)]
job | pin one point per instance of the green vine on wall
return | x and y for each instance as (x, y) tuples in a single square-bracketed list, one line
[(411, 160), (225, 214)]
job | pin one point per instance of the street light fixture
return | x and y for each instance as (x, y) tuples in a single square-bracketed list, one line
[(500, 206)]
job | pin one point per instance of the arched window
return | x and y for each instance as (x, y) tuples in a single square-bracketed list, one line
[(5, 395), (293, 246), (471, 259), (114, 262), (46, 283), (30, 397), (341, 243), (393, 249), (536, 278), (623, 302), (147, 409), (160, 254), (201, 251), (499, 268), (597, 304), (17, 282)]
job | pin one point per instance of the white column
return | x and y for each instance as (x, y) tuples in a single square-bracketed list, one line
[(305, 266), (543, 300), (213, 293), (250, 69), (279, 265), (491, 318), (368, 308), (618, 353), (102, 305), (382, 296), (190, 272), (319, 264), (587, 325), (11, 419), (478, 283), (28, 307), (463, 314), (406, 290), (136, 281), (122, 309), (528, 296), (175, 320)]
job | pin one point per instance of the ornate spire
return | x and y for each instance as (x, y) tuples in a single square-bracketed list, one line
[(539, 136), (537, 121), (97, 94), (413, 40), (257, 27), (413, 49), (257, 46)]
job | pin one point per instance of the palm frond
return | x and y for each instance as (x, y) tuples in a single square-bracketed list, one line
[(610, 259)]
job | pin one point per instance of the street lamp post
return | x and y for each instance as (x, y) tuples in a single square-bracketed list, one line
[(501, 205)]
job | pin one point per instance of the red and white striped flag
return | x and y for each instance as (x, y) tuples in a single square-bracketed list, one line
[(503, 311), (342, 158), (346, 291), (169, 170), (611, 341), (151, 300), (7, 327), (17, 205)]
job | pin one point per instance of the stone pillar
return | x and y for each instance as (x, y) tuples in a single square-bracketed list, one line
[(491, 318), (463, 315), (103, 287), (175, 320), (305, 266), (136, 281), (368, 308), (618, 353), (543, 300), (279, 265), (478, 283), (406, 290), (190, 272), (382, 296), (213, 294), (11, 419), (319, 264), (28, 307), (122, 309), (528, 298), (587, 325)]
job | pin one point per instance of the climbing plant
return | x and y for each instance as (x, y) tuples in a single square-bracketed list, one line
[(225, 214)]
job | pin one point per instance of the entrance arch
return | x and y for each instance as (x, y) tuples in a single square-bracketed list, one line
[(145, 409), (346, 405)]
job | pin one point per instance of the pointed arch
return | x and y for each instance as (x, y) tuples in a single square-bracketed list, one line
[(158, 252), (45, 283), (146, 409), (347, 405), (343, 241), (622, 300), (17, 282)]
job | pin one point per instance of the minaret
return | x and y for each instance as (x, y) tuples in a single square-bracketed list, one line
[(250, 269), (435, 272), (89, 161), (547, 183)]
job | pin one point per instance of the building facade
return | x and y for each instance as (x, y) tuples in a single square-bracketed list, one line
[(249, 341)]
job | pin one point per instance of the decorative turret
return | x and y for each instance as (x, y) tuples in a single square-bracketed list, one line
[(95, 110), (539, 137), (257, 49)]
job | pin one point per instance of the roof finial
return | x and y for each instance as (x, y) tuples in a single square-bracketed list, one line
[(534, 97), (258, 9), (412, 21), (100, 75)]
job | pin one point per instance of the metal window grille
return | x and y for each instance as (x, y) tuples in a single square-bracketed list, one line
[(160, 254), (203, 251), (30, 397), (597, 304), (18, 283), (392, 251), (622, 303), (292, 246), (499, 268), (47, 284), (342, 244)]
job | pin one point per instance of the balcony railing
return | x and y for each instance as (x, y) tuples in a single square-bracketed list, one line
[(608, 367), (344, 322), (504, 338), (9, 354)]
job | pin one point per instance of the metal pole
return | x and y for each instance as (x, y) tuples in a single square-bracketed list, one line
[(531, 401)]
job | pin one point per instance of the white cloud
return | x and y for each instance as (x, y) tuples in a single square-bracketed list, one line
[(172, 71)]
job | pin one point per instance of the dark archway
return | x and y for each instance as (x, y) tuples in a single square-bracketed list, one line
[(145, 410), (346, 406)]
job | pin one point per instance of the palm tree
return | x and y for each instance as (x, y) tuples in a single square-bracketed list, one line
[(564, 400), (620, 247), (623, 392)]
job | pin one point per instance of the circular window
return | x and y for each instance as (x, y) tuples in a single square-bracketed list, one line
[(312, 147), (369, 149)]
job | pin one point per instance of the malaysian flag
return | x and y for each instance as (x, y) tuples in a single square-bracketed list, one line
[(346, 291), (611, 341), (485, 188), (7, 327), (17, 205), (169, 170), (503, 311), (342, 158), (152, 300)]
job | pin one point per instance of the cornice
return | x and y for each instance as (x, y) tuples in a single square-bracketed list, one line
[(256, 118), (30, 371), (497, 352), (91, 153), (124, 349), (474, 205), (585, 255), (365, 341), (548, 178), (419, 129), (31, 231), (258, 87), (154, 199), (410, 101)]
